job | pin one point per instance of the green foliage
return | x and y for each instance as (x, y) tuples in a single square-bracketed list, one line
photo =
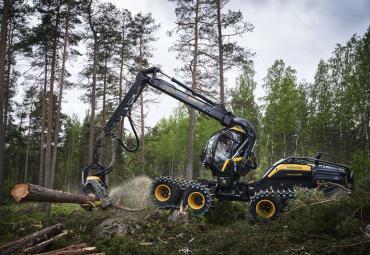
[(360, 164), (242, 97), (226, 212), (311, 209), (167, 144), (123, 245), (283, 120)]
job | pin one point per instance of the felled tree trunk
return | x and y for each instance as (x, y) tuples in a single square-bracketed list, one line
[(31, 240), (27, 192), (41, 246), (72, 250)]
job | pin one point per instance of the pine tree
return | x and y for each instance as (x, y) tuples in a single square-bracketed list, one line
[(143, 29), (222, 50), (3, 45), (189, 18)]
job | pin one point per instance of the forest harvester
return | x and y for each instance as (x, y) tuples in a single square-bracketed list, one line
[(228, 154)]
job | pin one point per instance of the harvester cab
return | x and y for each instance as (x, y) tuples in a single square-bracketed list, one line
[(224, 152)]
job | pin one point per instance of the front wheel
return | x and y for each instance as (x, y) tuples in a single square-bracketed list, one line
[(265, 207)]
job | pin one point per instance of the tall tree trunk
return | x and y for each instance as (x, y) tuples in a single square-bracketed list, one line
[(104, 109), (9, 64), (142, 135), (93, 87), (220, 53), (3, 46), (120, 97), (105, 89), (60, 96), (142, 123), (48, 175), (192, 117), (43, 117), (28, 145)]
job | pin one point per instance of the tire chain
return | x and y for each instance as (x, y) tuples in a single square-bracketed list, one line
[(166, 179), (184, 186), (284, 194), (192, 185)]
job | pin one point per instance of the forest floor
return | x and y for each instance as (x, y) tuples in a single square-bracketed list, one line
[(312, 225)]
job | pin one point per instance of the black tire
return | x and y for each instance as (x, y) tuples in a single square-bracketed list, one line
[(165, 192), (198, 198), (266, 207)]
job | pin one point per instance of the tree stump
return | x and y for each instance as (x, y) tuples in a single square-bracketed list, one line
[(179, 216)]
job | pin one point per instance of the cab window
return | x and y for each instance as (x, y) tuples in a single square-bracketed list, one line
[(227, 143)]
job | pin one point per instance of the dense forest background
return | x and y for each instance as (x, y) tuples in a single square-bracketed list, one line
[(40, 144)]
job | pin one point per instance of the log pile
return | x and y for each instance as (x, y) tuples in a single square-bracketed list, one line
[(39, 242)]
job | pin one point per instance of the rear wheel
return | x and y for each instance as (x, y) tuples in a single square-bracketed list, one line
[(165, 192), (266, 207)]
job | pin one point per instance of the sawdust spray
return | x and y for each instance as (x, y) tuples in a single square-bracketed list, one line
[(133, 193)]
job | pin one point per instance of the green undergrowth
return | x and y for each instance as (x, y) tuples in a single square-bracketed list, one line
[(312, 224)]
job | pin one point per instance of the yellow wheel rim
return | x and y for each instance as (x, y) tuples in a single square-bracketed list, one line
[(162, 192), (196, 200), (265, 208)]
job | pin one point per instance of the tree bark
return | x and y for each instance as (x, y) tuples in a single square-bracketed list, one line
[(192, 117), (142, 135), (60, 96), (120, 97), (43, 116), (68, 248), (48, 174), (9, 64), (42, 246), (28, 145), (3, 46), (104, 90), (30, 240), (27, 192), (85, 250), (142, 123), (93, 86), (220, 53)]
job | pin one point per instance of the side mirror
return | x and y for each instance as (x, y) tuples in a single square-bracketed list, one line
[(317, 155)]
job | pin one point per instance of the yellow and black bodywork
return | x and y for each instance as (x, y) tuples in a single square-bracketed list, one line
[(277, 185), (267, 196), (95, 186), (224, 156)]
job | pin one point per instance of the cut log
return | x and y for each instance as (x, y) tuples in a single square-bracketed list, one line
[(30, 240), (68, 248), (41, 246), (27, 192), (85, 250)]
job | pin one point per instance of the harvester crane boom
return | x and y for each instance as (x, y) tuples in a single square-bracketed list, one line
[(188, 96)]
